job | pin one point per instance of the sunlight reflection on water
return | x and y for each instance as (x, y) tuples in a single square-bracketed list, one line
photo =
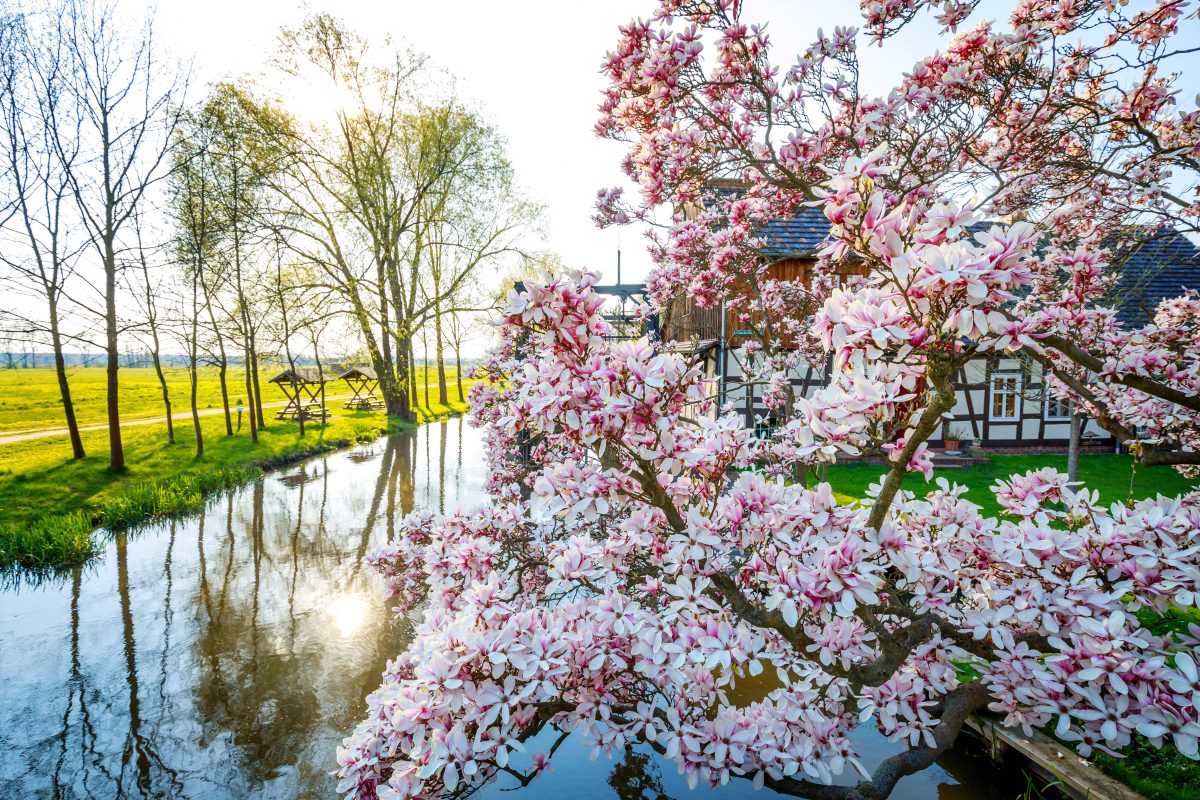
[(349, 613)]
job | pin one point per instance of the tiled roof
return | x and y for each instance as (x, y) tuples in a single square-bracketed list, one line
[(1162, 267), (799, 235), (1159, 268), (803, 233)]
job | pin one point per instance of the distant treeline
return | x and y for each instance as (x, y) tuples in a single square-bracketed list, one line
[(10, 360)]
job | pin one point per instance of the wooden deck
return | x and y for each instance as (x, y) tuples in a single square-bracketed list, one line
[(1052, 762)]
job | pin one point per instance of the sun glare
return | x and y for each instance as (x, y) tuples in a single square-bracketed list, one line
[(348, 612)]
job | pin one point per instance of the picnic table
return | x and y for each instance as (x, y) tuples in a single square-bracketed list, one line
[(305, 392)]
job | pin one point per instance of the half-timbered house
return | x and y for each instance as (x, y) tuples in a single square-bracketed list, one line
[(1002, 402)]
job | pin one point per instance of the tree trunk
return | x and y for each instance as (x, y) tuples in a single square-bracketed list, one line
[(162, 382), (462, 398), (1073, 448), (193, 357), (412, 370), (64, 387), (196, 410), (425, 372), (401, 332), (443, 395), (224, 363), (402, 380), (116, 450), (394, 398), (258, 409), (221, 372), (385, 333), (320, 370), (250, 395), (156, 359), (300, 412)]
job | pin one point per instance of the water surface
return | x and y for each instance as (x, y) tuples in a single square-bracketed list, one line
[(225, 654)]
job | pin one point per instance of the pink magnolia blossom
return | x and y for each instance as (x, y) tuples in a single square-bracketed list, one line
[(638, 589), (647, 571)]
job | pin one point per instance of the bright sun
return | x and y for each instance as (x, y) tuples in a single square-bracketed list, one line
[(348, 612)]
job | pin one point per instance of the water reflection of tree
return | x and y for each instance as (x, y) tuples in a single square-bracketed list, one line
[(139, 753), (445, 426), (273, 677), (86, 762), (77, 720), (248, 688), (247, 643), (458, 473), (636, 777), (382, 481)]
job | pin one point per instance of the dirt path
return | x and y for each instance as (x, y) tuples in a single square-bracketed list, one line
[(11, 437)]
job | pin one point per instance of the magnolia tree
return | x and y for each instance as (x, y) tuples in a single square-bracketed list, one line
[(650, 573)]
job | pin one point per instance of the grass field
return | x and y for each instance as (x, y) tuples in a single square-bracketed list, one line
[(1111, 475), (49, 504), (29, 398)]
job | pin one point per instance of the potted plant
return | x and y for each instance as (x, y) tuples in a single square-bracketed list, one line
[(954, 436)]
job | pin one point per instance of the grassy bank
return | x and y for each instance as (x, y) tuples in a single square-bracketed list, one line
[(29, 398), (1157, 774), (49, 504)]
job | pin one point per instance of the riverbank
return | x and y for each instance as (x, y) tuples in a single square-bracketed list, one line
[(50, 505)]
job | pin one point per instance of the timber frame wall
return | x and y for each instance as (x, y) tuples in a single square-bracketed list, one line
[(683, 321), (1027, 428)]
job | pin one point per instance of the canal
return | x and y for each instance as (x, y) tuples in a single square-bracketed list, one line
[(225, 654)]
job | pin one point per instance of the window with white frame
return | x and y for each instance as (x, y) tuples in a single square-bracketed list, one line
[(1057, 409), (1006, 393)]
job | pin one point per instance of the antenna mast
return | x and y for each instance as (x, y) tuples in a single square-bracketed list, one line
[(618, 259)]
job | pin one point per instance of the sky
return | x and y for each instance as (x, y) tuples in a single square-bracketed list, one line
[(531, 66)]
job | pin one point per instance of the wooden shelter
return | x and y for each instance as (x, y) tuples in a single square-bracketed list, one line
[(304, 388), (364, 382)]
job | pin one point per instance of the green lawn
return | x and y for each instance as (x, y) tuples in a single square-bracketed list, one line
[(1111, 475), (29, 398), (49, 503), (1158, 774)]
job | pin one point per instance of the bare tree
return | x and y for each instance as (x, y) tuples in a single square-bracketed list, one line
[(196, 237), (147, 288), (117, 95), (457, 331), (36, 168)]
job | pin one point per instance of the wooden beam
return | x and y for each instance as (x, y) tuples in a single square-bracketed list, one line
[(966, 390), (987, 398), (1054, 762)]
